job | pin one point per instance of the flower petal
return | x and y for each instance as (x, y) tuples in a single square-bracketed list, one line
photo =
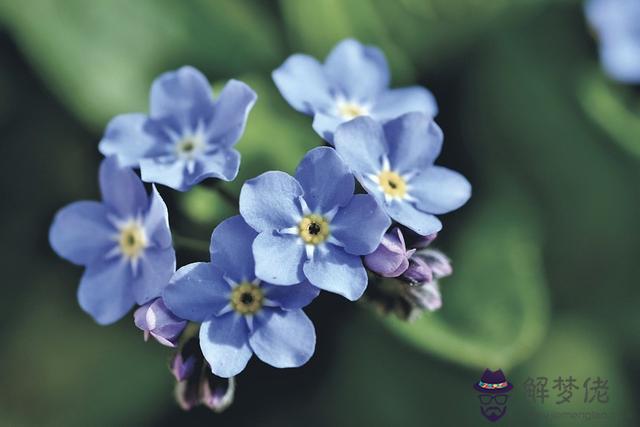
[(196, 291), (156, 221), (224, 343), (302, 82), (231, 249), (80, 232), (360, 225), (291, 297), (621, 59), (408, 215), (439, 190), (325, 125), (105, 291), (361, 144), (325, 179), (279, 258), (169, 173), (414, 142), (284, 339), (223, 164), (393, 103), (334, 270), (126, 138), (361, 71), (122, 190), (181, 91), (155, 270), (230, 114), (270, 201)]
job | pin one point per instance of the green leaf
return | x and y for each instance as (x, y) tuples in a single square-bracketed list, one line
[(410, 32), (607, 105), (525, 120), (495, 304), (73, 372), (578, 346), (100, 58), (347, 19)]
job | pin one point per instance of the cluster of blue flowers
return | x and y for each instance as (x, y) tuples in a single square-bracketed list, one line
[(617, 27), (295, 235)]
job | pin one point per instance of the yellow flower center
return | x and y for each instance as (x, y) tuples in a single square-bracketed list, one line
[(350, 110), (392, 184), (247, 298), (189, 145), (313, 229), (132, 240)]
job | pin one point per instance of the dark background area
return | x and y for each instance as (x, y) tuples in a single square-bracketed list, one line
[(545, 254)]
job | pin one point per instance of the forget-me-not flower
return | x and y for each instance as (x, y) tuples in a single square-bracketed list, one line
[(352, 82), (617, 24), (240, 314), (312, 226), (394, 163), (124, 243), (187, 136)]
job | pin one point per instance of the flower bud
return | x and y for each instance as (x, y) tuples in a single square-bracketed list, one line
[(155, 319), (391, 258), (186, 360), (187, 393), (196, 384), (426, 296), (438, 262), (418, 271), (424, 241), (217, 393)]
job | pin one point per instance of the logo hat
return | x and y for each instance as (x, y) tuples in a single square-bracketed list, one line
[(493, 382)]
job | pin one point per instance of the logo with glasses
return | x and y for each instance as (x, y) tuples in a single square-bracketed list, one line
[(493, 390)]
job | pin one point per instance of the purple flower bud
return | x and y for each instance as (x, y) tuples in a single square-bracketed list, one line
[(187, 393), (217, 393), (155, 318), (424, 241), (185, 361), (197, 385), (418, 271), (439, 263), (391, 258), (426, 296)]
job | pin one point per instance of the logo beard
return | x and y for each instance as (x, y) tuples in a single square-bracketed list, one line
[(493, 413)]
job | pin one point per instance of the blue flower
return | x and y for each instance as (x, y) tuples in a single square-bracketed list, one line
[(187, 136), (353, 81), (124, 243), (312, 226), (240, 314), (617, 24), (394, 163)]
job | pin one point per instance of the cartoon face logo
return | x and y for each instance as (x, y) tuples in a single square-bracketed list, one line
[(493, 388)]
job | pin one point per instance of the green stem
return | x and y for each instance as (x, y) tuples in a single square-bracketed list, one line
[(184, 242), (606, 105)]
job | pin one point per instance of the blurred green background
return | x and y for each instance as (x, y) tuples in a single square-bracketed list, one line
[(545, 254)]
